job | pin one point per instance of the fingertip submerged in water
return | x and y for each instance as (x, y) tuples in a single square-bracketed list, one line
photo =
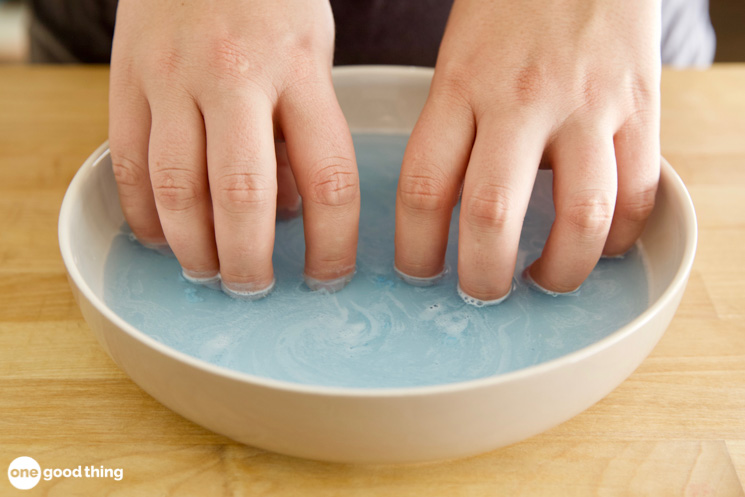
[(207, 279), (329, 286), (535, 286), (419, 281), (247, 292), (485, 303)]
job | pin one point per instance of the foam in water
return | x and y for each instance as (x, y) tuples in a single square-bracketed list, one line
[(378, 332)]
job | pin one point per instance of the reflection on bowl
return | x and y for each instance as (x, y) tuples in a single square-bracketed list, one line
[(380, 423)]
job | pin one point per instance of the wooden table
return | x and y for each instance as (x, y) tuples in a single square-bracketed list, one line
[(675, 427)]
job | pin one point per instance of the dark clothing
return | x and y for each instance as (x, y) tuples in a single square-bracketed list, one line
[(405, 32), (72, 30), (389, 31), (367, 31)]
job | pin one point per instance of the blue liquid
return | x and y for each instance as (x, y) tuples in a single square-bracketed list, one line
[(378, 332)]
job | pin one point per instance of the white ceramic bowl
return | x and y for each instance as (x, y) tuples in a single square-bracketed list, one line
[(372, 425)]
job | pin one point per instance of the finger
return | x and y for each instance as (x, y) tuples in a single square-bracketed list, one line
[(496, 192), (431, 176), (288, 198), (178, 172), (129, 130), (321, 154), (584, 196), (243, 183), (638, 157)]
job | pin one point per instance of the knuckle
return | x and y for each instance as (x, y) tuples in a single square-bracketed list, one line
[(231, 65), (176, 188), (302, 78), (589, 213), (530, 84), (123, 68), (243, 191), (334, 182), (168, 63), (301, 69), (457, 95), (643, 92), (425, 189), (488, 207), (456, 85), (227, 57), (593, 91), (127, 172), (638, 207)]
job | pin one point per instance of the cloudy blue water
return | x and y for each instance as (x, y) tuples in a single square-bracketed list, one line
[(377, 332)]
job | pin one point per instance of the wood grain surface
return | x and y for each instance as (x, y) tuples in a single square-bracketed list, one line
[(675, 427)]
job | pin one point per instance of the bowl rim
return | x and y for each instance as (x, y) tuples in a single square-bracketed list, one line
[(668, 176)]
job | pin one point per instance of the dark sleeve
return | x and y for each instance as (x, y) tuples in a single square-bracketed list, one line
[(72, 30), (404, 32)]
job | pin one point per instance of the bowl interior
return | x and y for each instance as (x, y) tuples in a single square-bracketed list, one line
[(374, 100)]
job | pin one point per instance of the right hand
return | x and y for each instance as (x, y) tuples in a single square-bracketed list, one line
[(573, 85), (200, 92)]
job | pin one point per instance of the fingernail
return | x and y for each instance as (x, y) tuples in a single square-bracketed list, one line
[(535, 286), (210, 279), (329, 286), (242, 291), (419, 281), (484, 303)]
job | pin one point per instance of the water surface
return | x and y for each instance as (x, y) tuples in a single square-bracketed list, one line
[(377, 332)]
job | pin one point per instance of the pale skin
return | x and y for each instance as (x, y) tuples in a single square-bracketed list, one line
[(223, 115)]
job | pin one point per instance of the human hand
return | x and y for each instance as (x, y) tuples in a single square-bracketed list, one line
[(200, 92), (571, 84)]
